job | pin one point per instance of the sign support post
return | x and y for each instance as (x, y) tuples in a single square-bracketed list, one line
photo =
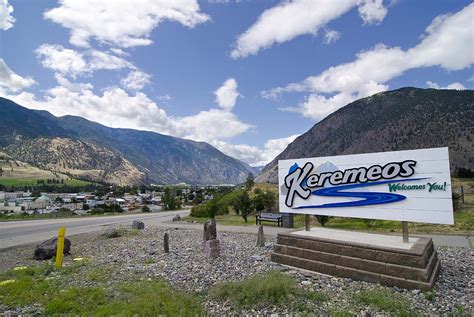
[(405, 231), (307, 222)]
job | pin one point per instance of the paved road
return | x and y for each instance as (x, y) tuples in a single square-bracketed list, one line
[(21, 232), (14, 233)]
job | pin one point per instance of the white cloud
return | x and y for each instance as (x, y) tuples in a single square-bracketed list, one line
[(210, 125), (254, 155), (164, 97), (68, 62), (372, 11), (124, 23), (12, 82), (136, 80), (226, 95), (291, 19), (6, 18), (456, 86), (115, 107), (444, 45), (331, 36)]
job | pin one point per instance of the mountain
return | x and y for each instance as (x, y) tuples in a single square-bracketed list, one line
[(91, 151), (403, 119)]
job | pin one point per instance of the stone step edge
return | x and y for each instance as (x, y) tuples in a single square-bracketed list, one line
[(368, 253), (361, 275), (418, 248), (402, 271)]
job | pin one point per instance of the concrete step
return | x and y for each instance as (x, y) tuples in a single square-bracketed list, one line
[(416, 256), (357, 274), (385, 261)]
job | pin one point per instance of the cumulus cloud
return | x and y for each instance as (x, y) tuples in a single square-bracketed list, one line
[(372, 11), (443, 45), (331, 36), (136, 80), (115, 107), (6, 18), (226, 95), (254, 155), (291, 19), (68, 62), (456, 86), (125, 23), (12, 82)]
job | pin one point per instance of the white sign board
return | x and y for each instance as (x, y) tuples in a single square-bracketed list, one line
[(403, 185)]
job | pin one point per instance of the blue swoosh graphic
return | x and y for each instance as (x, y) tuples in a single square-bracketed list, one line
[(368, 198)]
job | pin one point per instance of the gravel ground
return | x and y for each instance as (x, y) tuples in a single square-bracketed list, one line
[(140, 256)]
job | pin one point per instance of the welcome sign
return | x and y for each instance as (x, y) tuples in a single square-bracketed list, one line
[(403, 185)]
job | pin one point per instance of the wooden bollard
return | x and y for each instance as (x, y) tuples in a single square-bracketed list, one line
[(166, 243), (60, 248)]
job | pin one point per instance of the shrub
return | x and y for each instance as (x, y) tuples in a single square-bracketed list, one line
[(199, 211), (146, 209), (322, 220)]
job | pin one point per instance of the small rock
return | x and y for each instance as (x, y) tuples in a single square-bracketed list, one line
[(137, 224), (306, 283), (111, 232), (177, 218)]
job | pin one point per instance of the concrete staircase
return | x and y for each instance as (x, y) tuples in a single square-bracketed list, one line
[(413, 268)]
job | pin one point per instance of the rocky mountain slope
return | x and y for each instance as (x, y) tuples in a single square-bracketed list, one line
[(403, 119), (92, 151)]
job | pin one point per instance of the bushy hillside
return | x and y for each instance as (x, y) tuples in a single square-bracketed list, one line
[(403, 119), (121, 156)]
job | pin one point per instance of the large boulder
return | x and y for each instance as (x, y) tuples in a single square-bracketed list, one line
[(210, 231), (137, 224), (47, 249)]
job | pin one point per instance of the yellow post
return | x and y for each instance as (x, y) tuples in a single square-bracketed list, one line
[(60, 248)]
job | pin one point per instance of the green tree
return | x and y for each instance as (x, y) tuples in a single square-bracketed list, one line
[(243, 204), (170, 201), (146, 209), (269, 200), (249, 182), (85, 207), (212, 207)]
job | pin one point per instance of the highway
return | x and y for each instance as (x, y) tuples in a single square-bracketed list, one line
[(14, 233)]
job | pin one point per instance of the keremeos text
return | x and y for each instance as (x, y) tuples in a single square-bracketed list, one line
[(300, 181)]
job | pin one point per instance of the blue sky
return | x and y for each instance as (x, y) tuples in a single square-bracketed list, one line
[(245, 76)]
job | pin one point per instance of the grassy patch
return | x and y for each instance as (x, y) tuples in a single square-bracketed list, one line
[(430, 295), (51, 290), (385, 300), (272, 288), (18, 182), (149, 260), (100, 274)]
